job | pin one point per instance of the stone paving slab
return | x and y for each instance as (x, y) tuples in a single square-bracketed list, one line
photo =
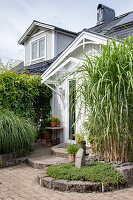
[(19, 183)]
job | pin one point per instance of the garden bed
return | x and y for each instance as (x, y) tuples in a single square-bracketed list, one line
[(12, 159), (96, 172), (97, 177)]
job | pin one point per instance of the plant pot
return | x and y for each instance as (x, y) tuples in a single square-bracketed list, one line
[(91, 146), (53, 124), (58, 124), (49, 143), (71, 158), (47, 135)]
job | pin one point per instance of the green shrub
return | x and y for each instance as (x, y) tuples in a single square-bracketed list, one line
[(25, 95), (97, 172), (72, 149), (16, 134)]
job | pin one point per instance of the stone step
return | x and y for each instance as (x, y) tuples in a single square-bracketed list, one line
[(60, 150), (43, 163), (42, 157)]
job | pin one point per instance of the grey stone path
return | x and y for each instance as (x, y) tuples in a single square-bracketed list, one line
[(19, 183)]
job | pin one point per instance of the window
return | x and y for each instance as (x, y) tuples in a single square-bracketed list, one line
[(41, 48), (38, 49), (34, 50)]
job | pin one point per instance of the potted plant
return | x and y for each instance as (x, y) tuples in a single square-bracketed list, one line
[(72, 149), (53, 120), (91, 140), (79, 138), (57, 122), (47, 134)]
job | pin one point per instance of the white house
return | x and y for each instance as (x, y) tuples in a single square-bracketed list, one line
[(61, 74), (56, 53)]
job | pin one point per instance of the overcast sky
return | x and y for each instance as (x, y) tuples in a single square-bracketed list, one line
[(17, 15)]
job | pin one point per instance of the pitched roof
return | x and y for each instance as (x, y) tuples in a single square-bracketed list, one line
[(121, 25), (35, 24), (37, 68)]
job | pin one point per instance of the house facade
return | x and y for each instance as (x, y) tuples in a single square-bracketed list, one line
[(64, 61)]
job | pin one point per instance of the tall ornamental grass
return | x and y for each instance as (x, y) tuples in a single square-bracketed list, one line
[(105, 92), (16, 134)]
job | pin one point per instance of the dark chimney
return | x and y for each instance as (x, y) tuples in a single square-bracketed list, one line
[(104, 14)]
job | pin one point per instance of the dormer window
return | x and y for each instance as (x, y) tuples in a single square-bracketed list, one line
[(38, 49)]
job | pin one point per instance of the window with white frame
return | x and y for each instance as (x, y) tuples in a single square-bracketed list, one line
[(38, 49)]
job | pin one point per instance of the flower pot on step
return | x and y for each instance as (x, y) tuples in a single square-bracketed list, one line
[(71, 158)]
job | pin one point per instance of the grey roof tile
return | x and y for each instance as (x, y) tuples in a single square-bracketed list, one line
[(109, 27), (39, 67)]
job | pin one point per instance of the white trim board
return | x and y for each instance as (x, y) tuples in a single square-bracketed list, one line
[(51, 73), (92, 37)]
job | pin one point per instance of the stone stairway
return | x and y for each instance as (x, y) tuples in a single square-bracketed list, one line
[(42, 157)]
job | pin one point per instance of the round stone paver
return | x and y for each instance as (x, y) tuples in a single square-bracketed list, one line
[(19, 183)]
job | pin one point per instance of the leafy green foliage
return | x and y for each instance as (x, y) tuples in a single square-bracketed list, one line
[(96, 172), (105, 92), (79, 136), (72, 149), (53, 118), (25, 96), (16, 134)]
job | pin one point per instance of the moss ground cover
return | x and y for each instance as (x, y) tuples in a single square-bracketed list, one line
[(96, 172)]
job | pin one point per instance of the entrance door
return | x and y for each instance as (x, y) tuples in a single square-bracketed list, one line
[(72, 93)]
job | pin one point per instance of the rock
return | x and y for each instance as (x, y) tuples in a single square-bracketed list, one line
[(80, 158), (92, 187), (40, 176), (127, 172), (60, 185), (75, 186), (47, 182), (91, 161)]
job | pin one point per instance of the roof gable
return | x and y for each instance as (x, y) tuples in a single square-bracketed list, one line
[(36, 24), (92, 37)]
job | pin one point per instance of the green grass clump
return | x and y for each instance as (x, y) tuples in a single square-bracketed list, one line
[(72, 149), (16, 134), (96, 172)]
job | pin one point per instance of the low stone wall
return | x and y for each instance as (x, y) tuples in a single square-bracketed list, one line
[(9, 160), (127, 172), (75, 186)]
